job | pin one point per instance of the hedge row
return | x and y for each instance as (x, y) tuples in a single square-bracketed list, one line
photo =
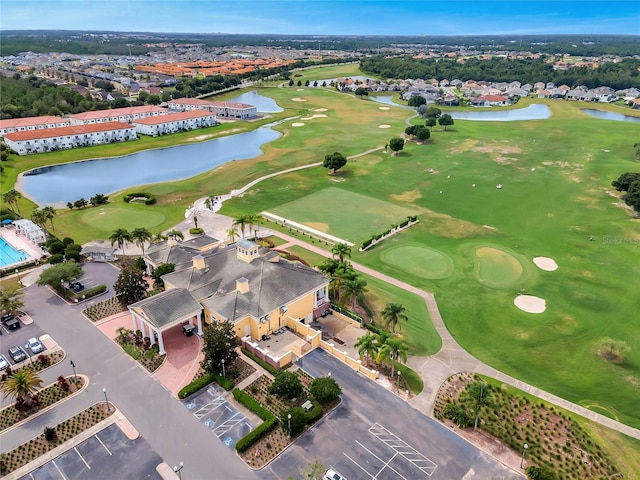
[(269, 368), (252, 404), (315, 413), (373, 328), (367, 243), (347, 313), (203, 381), (150, 199), (88, 293), (270, 420)]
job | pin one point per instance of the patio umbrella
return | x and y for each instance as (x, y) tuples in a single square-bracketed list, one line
[(7, 221)]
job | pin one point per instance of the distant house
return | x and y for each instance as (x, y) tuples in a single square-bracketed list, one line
[(490, 100)]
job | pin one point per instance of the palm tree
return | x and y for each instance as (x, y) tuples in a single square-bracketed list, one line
[(173, 234), (354, 288), (392, 350), (49, 212), (21, 385), (157, 238), (241, 222), (140, 236), (232, 233), (477, 395), (11, 198), (37, 217), (342, 273), (254, 219), (392, 313), (367, 346), (341, 250), (121, 237)]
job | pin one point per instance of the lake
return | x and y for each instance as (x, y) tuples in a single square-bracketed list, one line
[(263, 104), (72, 181), (603, 114), (387, 100), (535, 111)]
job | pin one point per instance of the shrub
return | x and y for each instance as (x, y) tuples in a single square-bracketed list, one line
[(325, 389), (196, 385), (256, 434), (57, 258), (66, 241), (457, 415), (196, 231), (252, 404), (49, 434), (315, 413), (55, 247), (539, 473), (150, 199), (269, 368), (296, 422), (286, 384)]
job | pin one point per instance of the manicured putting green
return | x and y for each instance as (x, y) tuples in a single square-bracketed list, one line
[(420, 261), (109, 219), (350, 216), (496, 268)]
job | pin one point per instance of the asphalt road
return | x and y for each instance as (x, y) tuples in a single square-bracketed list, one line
[(171, 430), (374, 434)]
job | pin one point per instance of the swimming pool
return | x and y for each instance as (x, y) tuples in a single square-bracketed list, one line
[(9, 255)]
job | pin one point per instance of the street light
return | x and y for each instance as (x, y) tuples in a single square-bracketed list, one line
[(177, 469), (73, 365), (398, 379), (18, 274), (289, 418), (223, 372), (28, 352), (524, 451), (106, 400)]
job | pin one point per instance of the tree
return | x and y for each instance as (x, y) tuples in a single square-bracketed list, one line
[(161, 270), (341, 250), (174, 234), (445, 120), (477, 395), (120, 236), (140, 236), (392, 313), (11, 299), (625, 180), (396, 144), (417, 100), (433, 112), (632, 198), (37, 217), (342, 273), (242, 222), (430, 122), (254, 219), (49, 213), (334, 161), (21, 385), (11, 198), (354, 288), (59, 274), (410, 130), (325, 389), (613, 350), (314, 471), (294, 425), (361, 92), (80, 203), (286, 384), (98, 199), (391, 350), (220, 344), (130, 287), (367, 346), (232, 233), (422, 133)]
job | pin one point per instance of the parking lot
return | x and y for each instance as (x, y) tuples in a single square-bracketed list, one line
[(18, 337), (108, 454), (217, 415)]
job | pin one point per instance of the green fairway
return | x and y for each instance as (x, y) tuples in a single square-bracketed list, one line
[(348, 215), (497, 269), (419, 261), (110, 219)]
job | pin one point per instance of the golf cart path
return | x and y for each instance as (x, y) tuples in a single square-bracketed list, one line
[(452, 358)]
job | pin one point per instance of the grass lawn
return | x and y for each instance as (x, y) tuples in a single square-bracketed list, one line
[(308, 256)]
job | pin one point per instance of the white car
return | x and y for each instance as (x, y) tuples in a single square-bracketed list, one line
[(331, 474), (34, 345), (3, 362)]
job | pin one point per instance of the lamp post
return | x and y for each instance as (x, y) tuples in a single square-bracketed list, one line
[(223, 372), (84, 298), (28, 352), (73, 365), (18, 274), (178, 468), (289, 418), (106, 400), (398, 379), (524, 451)]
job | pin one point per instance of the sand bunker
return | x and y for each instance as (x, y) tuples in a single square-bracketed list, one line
[(300, 90), (297, 124), (298, 99), (384, 126), (384, 108), (545, 263), (530, 304), (320, 110), (314, 116)]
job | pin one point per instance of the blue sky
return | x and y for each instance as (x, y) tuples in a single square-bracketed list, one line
[(327, 17)]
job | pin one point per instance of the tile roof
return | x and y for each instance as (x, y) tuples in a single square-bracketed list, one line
[(32, 121), (172, 117), (117, 112), (63, 131), (167, 308)]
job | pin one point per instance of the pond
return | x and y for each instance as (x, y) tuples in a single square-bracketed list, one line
[(387, 100), (535, 111), (264, 104), (72, 181), (619, 117)]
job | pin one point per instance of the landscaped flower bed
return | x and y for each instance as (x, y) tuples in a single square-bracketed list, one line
[(140, 349), (105, 309), (555, 440), (62, 432), (39, 363), (47, 396)]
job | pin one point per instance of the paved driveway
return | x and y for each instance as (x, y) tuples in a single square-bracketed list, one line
[(374, 434)]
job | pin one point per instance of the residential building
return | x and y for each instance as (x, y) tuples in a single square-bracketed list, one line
[(222, 109), (245, 284), (174, 122), (125, 115), (12, 125), (51, 139)]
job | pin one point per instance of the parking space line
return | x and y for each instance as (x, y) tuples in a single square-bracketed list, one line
[(82, 458), (357, 464), (59, 471), (385, 465), (228, 424), (202, 411), (400, 446), (103, 445)]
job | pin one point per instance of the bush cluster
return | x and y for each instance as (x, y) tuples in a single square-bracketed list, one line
[(269, 368), (150, 199), (368, 242), (196, 385), (270, 420)]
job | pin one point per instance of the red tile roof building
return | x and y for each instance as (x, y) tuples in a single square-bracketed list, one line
[(11, 125), (125, 115), (174, 122), (51, 139), (222, 109)]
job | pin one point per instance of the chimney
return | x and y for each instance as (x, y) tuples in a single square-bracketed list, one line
[(198, 262), (242, 285)]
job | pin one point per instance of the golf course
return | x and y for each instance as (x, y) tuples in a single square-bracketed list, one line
[(474, 243)]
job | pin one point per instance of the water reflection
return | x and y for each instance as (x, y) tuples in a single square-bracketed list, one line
[(619, 117), (264, 104)]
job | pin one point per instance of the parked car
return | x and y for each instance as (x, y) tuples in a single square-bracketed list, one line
[(10, 322), (4, 363), (331, 474), (265, 337), (187, 330), (17, 354), (76, 287), (34, 345), (6, 316)]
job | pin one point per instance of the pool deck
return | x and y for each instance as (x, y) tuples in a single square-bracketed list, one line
[(19, 242)]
